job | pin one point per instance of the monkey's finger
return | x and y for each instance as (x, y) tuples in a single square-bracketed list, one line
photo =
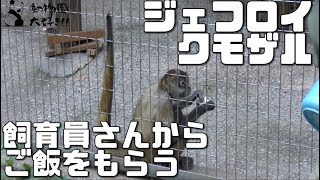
[(210, 105), (206, 102), (200, 97)]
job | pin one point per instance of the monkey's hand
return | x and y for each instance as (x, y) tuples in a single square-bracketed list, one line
[(187, 101), (210, 105), (197, 95), (199, 111)]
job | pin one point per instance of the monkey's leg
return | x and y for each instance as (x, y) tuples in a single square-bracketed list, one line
[(199, 111), (184, 162), (149, 154)]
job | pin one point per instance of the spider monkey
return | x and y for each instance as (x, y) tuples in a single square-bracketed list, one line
[(162, 102)]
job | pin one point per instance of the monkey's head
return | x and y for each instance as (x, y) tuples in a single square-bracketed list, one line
[(176, 83)]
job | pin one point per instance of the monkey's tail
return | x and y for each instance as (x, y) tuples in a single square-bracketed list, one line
[(107, 85)]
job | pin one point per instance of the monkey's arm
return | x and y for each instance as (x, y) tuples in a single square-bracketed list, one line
[(199, 111), (187, 101)]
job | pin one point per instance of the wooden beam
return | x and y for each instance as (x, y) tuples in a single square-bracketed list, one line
[(78, 48), (75, 36)]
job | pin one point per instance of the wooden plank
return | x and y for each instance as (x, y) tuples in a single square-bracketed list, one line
[(92, 52), (58, 48), (78, 48), (75, 36)]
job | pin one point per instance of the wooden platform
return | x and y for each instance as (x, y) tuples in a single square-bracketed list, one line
[(74, 42)]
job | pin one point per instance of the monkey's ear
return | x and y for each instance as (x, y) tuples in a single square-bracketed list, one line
[(164, 82)]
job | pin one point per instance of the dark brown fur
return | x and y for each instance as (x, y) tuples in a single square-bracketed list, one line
[(164, 102)]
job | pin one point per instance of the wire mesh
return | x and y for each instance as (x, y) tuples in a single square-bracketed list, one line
[(256, 131)]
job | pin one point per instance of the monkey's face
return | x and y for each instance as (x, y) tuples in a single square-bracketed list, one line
[(178, 83)]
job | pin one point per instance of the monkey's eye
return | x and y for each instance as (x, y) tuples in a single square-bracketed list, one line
[(182, 83)]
